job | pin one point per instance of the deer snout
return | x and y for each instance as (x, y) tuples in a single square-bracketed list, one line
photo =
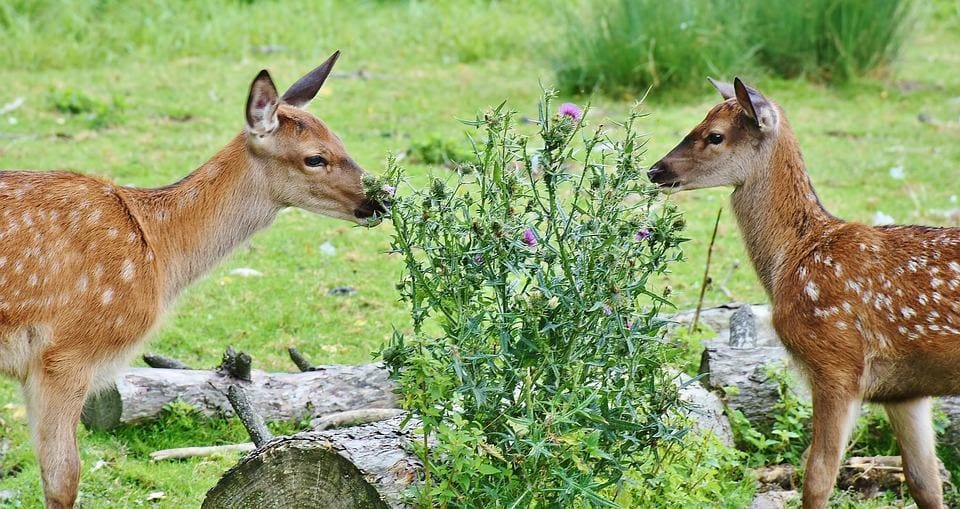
[(661, 173), (368, 208)]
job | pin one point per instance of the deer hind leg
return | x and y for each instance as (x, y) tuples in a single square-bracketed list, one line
[(834, 413), (55, 392), (912, 421)]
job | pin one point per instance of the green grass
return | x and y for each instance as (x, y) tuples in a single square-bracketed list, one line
[(181, 72)]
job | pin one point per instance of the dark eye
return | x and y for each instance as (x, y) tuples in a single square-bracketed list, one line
[(715, 138), (315, 161)]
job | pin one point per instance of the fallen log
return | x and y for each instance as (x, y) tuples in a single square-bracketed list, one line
[(366, 466), (141, 394)]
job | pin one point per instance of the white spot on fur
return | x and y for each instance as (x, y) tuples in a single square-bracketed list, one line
[(127, 272), (32, 280), (812, 291), (922, 299), (907, 312), (82, 283), (107, 296)]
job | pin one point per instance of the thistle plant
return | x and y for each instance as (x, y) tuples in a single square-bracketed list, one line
[(534, 363)]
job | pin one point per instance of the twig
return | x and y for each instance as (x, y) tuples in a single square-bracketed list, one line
[(706, 273), (236, 364), (193, 452), (355, 417), (302, 363), (251, 420), (159, 361)]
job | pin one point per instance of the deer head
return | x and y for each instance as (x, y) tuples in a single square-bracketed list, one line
[(304, 162), (728, 147)]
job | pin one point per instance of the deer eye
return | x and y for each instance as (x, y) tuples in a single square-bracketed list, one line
[(715, 138), (315, 161)]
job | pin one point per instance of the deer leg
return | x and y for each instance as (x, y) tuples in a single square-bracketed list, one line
[(833, 416), (912, 421), (54, 401)]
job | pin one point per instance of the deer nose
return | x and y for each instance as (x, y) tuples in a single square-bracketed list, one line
[(661, 173), (658, 168)]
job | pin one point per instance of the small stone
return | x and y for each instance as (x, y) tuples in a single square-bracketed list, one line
[(342, 291), (743, 328)]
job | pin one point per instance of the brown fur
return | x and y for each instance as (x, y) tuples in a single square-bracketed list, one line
[(868, 313), (87, 268)]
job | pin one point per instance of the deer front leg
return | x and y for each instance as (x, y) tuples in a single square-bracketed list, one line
[(55, 397), (834, 413), (912, 421)]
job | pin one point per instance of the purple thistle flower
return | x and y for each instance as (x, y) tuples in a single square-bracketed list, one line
[(642, 235), (529, 238), (570, 110), (389, 190), (606, 310), (628, 325), (478, 259)]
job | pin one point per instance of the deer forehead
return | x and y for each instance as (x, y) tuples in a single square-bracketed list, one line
[(305, 129)]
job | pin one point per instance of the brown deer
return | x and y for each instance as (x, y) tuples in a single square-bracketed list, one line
[(868, 313), (87, 268)]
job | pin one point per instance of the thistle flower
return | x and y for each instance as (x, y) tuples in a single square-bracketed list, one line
[(570, 110), (642, 235), (606, 310), (389, 190), (529, 238)]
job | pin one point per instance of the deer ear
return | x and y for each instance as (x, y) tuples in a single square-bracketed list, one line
[(305, 89), (262, 105), (725, 89), (755, 105)]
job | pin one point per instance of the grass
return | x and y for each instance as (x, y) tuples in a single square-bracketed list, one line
[(626, 46), (181, 72)]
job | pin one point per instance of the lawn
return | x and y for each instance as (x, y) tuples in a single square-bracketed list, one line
[(168, 82)]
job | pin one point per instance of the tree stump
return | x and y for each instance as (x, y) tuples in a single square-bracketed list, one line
[(366, 466)]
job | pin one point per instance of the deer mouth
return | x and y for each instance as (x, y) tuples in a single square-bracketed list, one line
[(369, 208), (663, 176)]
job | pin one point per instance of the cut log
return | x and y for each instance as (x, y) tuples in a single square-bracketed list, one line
[(366, 466), (141, 394)]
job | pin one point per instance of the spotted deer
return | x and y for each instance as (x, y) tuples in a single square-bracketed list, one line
[(867, 313), (87, 268)]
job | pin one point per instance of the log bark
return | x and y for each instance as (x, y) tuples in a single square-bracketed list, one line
[(140, 394), (366, 466)]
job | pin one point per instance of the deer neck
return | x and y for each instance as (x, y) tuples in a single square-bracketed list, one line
[(778, 211), (193, 224)]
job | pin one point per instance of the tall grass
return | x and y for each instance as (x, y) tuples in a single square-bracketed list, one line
[(829, 40), (625, 46), (621, 46)]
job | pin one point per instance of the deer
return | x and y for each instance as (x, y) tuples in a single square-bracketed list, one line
[(88, 268), (867, 314)]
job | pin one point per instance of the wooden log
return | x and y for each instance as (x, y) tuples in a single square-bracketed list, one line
[(366, 466), (140, 394)]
